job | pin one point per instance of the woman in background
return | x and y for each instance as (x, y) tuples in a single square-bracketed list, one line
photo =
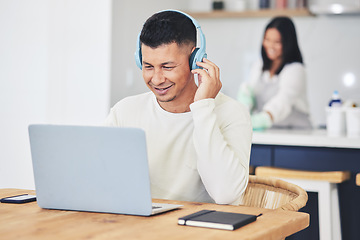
[(276, 93)]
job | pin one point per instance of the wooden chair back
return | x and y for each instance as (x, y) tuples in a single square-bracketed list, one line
[(273, 193)]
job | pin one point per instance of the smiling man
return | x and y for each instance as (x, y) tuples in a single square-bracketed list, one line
[(198, 139)]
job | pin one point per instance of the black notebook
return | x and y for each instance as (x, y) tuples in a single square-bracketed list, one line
[(217, 219)]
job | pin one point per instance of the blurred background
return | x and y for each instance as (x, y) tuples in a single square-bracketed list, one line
[(69, 61)]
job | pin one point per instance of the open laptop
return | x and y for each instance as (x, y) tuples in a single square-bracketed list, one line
[(96, 169)]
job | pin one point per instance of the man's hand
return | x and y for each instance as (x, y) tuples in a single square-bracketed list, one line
[(209, 80)]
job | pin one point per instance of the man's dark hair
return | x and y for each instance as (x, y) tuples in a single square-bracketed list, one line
[(290, 48), (168, 27)]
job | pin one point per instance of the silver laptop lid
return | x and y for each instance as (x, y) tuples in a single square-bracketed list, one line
[(83, 168)]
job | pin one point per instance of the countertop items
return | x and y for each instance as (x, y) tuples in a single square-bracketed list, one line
[(308, 138)]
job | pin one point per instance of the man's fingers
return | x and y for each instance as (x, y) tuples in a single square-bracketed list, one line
[(211, 67)]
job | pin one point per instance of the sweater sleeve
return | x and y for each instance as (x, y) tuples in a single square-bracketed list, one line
[(292, 83), (222, 138)]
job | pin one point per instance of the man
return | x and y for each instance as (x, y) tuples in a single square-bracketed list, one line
[(198, 139)]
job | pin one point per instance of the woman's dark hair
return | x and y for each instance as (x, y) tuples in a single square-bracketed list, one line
[(290, 48), (168, 27)]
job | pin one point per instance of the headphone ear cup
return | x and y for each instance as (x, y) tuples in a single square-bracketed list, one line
[(138, 58), (197, 56), (138, 55), (192, 61)]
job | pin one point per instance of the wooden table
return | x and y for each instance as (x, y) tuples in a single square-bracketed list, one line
[(29, 221)]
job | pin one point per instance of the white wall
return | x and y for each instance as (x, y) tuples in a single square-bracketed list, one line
[(54, 68), (329, 44), (79, 61), (23, 76)]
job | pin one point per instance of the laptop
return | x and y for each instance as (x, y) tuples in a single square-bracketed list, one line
[(94, 169)]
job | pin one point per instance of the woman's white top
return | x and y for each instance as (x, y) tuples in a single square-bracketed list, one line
[(283, 95)]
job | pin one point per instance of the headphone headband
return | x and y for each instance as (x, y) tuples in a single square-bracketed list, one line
[(197, 55)]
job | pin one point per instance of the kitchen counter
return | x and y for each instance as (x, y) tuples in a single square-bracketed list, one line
[(306, 138)]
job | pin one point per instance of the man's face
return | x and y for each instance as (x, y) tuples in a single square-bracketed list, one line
[(167, 74)]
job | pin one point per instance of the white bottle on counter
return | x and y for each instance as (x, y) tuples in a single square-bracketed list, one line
[(335, 116)]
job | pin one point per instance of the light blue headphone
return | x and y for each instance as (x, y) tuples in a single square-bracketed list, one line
[(197, 55)]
